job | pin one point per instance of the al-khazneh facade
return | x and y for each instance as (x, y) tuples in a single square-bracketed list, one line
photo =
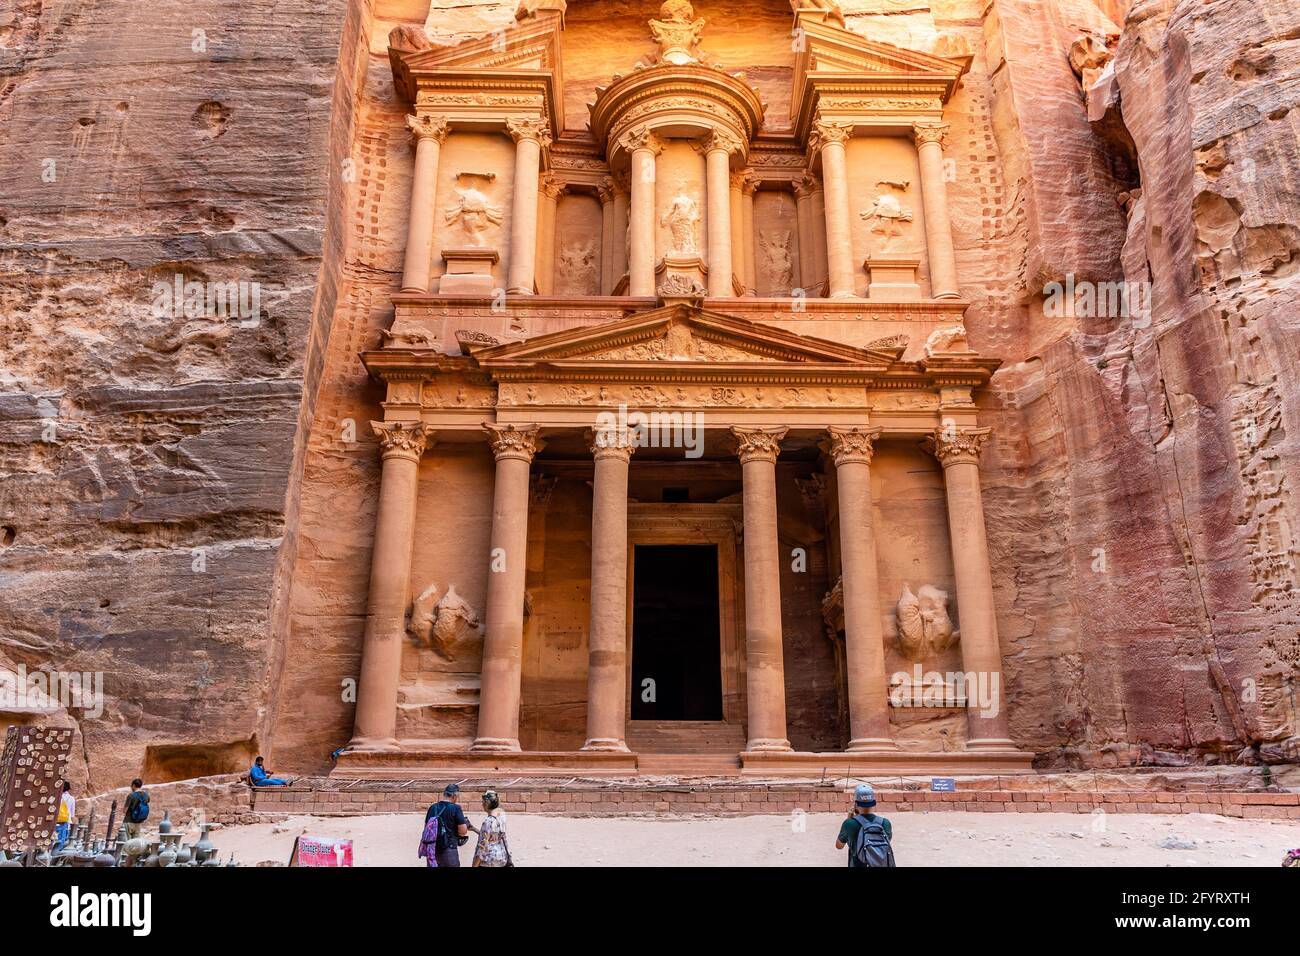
[(680, 445)]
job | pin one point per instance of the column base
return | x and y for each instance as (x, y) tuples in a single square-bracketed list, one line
[(947, 295), (843, 295), (372, 744), (495, 745), (605, 745), (510, 291), (871, 745), (991, 743), (767, 745)]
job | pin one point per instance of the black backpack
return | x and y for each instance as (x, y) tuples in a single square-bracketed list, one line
[(140, 809), (448, 833), (871, 847)]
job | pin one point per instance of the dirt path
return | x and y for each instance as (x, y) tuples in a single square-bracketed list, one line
[(920, 839)]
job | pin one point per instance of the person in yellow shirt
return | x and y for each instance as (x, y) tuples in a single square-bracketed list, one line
[(67, 813)]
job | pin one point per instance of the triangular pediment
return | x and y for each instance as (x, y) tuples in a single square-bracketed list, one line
[(681, 335), (531, 45), (831, 49)]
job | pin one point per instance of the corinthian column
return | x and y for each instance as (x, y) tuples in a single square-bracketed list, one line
[(643, 147), (749, 186), (551, 190), (934, 200), (607, 636), (832, 139), (605, 191), (375, 723), (622, 191), (498, 711), (765, 674), (717, 159), (531, 136), (429, 133), (803, 191), (958, 450), (864, 640), (737, 203)]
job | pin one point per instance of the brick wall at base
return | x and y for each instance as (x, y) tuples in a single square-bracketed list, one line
[(717, 800)]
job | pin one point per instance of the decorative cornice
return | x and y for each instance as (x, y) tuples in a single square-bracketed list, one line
[(758, 444), (925, 133), (402, 439), (514, 441), (428, 126), (953, 446), (613, 443), (852, 444)]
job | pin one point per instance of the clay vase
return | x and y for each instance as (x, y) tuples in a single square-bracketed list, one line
[(204, 849), (166, 826)]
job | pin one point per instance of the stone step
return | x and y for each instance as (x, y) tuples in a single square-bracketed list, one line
[(687, 765), (685, 737)]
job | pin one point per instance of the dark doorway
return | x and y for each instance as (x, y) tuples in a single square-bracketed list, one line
[(675, 638)]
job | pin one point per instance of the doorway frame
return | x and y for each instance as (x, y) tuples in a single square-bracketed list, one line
[(718, 524)]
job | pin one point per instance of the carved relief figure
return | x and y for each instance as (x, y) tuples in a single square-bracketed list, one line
[(576, 267), (780, 265), (446, 626), (887, 214), (950, 339), (681, 219), (678, 33), (475, 212), (924, 627)]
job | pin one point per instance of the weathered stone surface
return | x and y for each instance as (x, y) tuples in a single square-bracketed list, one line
[(1137, 489)]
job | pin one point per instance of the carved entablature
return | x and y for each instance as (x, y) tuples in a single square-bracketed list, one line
[(681, 358)]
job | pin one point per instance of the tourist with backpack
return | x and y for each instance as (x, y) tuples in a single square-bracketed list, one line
[(452, 830), (867, 835), (137, 808)]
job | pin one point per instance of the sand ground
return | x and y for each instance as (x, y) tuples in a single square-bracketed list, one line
[(920, 839)]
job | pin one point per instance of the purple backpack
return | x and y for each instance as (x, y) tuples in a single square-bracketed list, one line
[(428, 840)]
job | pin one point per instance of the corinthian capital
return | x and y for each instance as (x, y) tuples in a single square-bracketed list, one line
[(720, 140), (758, 444), (402, 439), (953, 446), (514, 441), (613, 443), (807, 185), (550, 186), (641, 138), (426, 126), (529, 127), (828, 132), (930, 133), (852, 444)]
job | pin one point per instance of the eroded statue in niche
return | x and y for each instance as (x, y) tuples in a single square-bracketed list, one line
[(447, 625), (576, 266), (887, 214), (924, 628), (780, 264), (476, 214), (681, 219), (678, 33)]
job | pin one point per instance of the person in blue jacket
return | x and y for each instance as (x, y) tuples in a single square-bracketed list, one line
[(260, 778)]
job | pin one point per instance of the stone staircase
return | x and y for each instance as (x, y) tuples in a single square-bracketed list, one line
[(686, 747)]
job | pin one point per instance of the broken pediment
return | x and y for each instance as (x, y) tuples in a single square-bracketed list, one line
[(681, 334)]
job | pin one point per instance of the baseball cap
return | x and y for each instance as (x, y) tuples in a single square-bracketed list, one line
[(864, 795), (451, 790)]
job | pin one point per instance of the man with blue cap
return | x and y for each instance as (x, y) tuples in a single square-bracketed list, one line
[(866, 835)]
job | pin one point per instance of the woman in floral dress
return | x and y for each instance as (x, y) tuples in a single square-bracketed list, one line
[(492, 849)]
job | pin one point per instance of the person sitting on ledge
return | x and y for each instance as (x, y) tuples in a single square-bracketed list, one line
[(260, 777)]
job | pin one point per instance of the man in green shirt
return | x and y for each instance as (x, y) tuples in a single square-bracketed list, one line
[(864, 798)]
